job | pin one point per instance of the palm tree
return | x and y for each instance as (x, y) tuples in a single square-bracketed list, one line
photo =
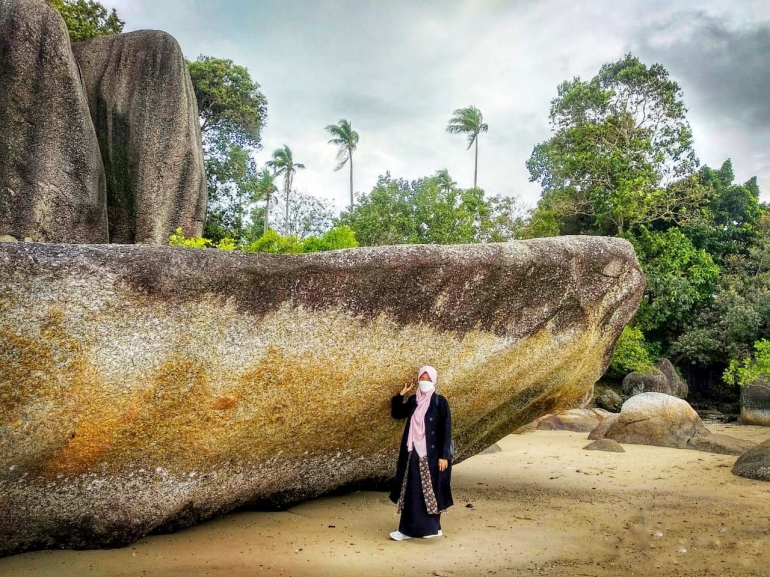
[(283, 163), (445, 181), (471, 122), (266, 186), (347, 139)]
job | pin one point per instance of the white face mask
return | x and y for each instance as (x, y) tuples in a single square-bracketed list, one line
[(426, 386)]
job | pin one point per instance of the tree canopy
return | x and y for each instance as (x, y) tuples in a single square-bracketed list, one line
[(86, 19)]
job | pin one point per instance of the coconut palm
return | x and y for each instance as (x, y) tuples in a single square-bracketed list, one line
[(347, 139), (266, 185), (471, 122), (445, 181), (283, 163)]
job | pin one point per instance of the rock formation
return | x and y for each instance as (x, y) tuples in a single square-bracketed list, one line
[(607, 445), (754, 463), (143, 107), (755, 404), (609, 400), (147, 388), (662, 378), (665, 421), (575, 420), (136, 90), (52, 186)]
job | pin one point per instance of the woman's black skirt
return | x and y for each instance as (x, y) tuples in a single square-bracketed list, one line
[(415, 520)]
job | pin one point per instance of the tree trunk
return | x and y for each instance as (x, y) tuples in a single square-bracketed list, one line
[(286, 223), (476, 166), (267, 213), (350, 154)]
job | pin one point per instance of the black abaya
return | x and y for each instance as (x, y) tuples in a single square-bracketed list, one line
[(415, 520)]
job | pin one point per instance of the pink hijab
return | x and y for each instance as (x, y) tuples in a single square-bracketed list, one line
[(416, 437)]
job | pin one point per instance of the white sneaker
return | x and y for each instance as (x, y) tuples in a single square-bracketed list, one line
[(399, 536), (439, 534)]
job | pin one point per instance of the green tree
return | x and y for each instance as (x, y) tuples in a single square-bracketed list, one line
[(232, 112), (283, 164), (230, 103), (266, 186), (445, 181), (346, 139), (752, 368), (86, 19), (621, 152), (469, 121)]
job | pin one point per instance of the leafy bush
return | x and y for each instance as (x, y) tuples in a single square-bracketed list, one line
[(271, 242), (746, 371), (632, 353)]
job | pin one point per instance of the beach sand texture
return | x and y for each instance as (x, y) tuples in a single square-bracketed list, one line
[(541, 506)]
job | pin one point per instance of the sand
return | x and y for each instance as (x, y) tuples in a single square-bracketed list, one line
[(541, 506)]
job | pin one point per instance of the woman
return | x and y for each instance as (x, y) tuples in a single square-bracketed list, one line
[(421, 488)]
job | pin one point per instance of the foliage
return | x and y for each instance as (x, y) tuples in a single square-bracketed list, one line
[(283, 163), (430, 211), (272, 242), (346, 139), (469, 121), (307, 215), (680, 280), (86, 19), (632, 353), (232, 112), (230, 103), (750, 369), (621, 152), (178, 239)]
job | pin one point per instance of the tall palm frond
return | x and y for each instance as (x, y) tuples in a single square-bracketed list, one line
[(346, 139), (469, 121)]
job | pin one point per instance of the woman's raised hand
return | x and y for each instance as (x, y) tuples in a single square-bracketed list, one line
[(408, 387)]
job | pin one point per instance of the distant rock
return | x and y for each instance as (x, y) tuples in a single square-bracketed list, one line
[(156, 387), (491, 450), (605, 445), (661, 378), (52, 186), (656, 419), (601, 429), (720, 444), (146, 117), (754, 463), (755, 404), (610, 401)]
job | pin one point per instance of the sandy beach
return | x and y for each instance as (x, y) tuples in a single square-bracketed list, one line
[(541, 506)]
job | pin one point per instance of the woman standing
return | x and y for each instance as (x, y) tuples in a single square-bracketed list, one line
[(422, 485)]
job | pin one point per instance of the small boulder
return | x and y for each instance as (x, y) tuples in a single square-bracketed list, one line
[(721, 444), (605, 445), (577, 420), (662, 378), (676, 386), (600, 430), (754, 463), (656, 419), (491, 449), (610, 401), (653, 380), (755, 404)]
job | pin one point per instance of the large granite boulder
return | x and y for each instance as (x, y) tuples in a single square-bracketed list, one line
[(52, 186), (655, 419), (755, 403), (575, 420), (146, 117), (145, 388), (661, 378), (754, 463)]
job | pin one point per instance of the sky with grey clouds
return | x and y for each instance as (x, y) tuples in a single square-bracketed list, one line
[(398, 68)]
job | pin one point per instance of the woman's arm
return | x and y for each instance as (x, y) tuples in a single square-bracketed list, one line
[(398, 408), (446, 422)]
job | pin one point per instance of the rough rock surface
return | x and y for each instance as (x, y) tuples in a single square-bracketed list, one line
[(755, 404), (601, 429), (146, 117), (662, 378), (754, 463), (656, 419), (147, 388), (721, 444), (609, 400), (577, 420), (605, 445), (52, 186)]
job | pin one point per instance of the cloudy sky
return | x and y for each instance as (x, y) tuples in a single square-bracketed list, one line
[(398, 68)]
